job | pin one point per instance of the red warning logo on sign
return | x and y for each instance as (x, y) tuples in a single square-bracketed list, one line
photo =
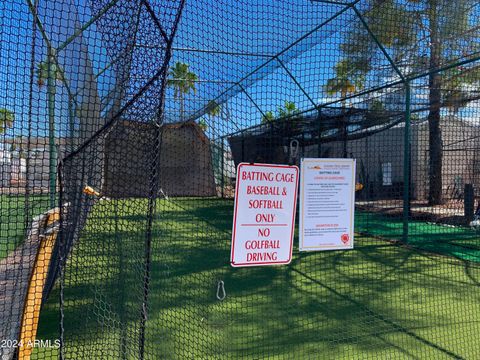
[(345, 238)]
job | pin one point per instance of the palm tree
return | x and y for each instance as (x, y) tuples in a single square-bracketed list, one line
[(268, 117), (48, 71), (345, 82), (203, 124), (182, 80), (288, 109), (42, 72), (213, 110), (7, 118)]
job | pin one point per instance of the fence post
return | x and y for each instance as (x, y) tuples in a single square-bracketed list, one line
[(406, 162), (319, 144), (52, 167), (121, 283), (222, 175), (469, 203), (243, 148)]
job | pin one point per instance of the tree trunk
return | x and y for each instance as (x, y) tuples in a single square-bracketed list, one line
[(434, 131), (181, 108)]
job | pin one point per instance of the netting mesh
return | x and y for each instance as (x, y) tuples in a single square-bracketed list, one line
[(122, 123)]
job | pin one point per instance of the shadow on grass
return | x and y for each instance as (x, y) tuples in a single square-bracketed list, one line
[(378, 300), (16, 213)]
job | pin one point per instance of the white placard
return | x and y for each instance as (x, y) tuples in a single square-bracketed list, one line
[(327, 204), (264, 215)]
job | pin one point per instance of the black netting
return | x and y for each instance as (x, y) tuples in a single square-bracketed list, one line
[(123, 122)]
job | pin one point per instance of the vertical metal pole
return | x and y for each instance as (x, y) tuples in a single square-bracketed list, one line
[(270, 145), (61, 265), (243, 148), (302, 146), (51, 78), (468, 202), (319, 144), (406, 163), (121, 283), (222, 179), (71, 124)]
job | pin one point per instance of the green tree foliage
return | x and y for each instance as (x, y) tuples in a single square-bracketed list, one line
[(268, 117), (7, 118), (288, 109), (349, 78), (213, 110), (376, 106), (42, 73), (203, 124), (419, 35), (183, 81)]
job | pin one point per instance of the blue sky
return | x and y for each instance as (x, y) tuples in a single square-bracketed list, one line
[(229, 30), (247, 33), (16, 59)]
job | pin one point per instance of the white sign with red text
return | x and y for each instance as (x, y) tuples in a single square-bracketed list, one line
[(327, 201), (264, 215)]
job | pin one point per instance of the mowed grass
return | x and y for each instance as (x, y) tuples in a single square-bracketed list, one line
[(377, 301), (15, 212)]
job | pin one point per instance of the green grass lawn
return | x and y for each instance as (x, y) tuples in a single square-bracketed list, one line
[(15, 212), (377, 301)]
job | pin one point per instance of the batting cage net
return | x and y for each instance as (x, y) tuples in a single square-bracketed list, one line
[(123, 124)]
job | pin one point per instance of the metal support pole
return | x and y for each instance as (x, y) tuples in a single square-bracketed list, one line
[(468, 203), (222, 179), (406, 163), (80, 30), (289, 73), (156, 20), (319, 144), (121, 281), (251, 99), (51, 78), (332, 2), (71, 125), (243, 148)]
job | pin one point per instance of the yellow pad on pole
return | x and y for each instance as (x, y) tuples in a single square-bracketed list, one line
[(28, 330), (90, 191)]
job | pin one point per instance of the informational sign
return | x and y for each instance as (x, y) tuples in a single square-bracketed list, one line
[(264, 215), (327, 200)]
